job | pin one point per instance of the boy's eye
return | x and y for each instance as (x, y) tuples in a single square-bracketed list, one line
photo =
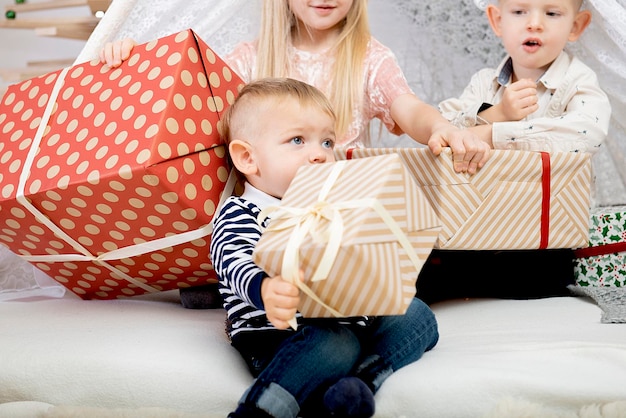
[(329, 143), (297, 140)]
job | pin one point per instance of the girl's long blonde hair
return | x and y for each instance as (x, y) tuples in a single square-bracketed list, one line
[(277, 25)]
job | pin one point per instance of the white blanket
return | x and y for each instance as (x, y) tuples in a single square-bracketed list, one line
[(149, 352)]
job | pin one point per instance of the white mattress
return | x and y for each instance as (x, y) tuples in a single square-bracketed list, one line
[(151, 352)]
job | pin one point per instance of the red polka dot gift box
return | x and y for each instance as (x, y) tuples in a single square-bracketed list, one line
[(110, 177)]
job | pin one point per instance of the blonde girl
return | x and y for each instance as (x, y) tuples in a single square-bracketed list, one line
[(327, 43)]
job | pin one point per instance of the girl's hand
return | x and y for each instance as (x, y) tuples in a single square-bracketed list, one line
[(425, 125), (114, 53), (469, 152)]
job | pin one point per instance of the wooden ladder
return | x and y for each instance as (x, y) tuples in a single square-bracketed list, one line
[(73, 28), (79, 28)]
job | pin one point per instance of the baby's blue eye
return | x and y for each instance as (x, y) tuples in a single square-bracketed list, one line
[(297, 140), (329, 143)]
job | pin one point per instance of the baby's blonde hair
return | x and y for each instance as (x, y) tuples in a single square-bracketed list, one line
[(277, 25), (265, 91)]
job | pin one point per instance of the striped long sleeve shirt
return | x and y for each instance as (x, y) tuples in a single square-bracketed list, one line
[(234, 237)]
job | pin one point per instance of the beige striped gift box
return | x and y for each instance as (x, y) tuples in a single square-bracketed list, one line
[(360, 230), (518, 200)]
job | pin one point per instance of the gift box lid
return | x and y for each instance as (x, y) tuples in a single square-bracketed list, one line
[(95, 119), (388, 184)]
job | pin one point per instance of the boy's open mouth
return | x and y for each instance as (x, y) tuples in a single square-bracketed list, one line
[(532, 42)]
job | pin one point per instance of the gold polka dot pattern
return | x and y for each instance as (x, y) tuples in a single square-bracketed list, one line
[(129, 156)]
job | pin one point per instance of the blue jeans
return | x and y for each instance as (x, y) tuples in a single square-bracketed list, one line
[(294, 369)]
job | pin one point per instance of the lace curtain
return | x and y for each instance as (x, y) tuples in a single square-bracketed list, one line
[(438, 44)]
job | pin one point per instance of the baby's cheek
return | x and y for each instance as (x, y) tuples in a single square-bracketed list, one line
[(285, 184)]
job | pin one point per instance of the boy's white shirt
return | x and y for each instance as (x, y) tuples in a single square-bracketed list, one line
[(573, 115)]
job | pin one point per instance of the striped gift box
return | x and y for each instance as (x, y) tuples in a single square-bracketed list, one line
[(360, 230), (518, 200)]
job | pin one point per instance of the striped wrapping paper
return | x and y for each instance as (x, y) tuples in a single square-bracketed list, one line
[(367, 267), (518, 200)]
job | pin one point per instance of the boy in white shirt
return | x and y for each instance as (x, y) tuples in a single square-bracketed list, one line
[(540, 97)]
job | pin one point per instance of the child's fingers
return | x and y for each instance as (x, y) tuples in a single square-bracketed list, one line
[(474, 156), (281, 318), (109, 55), (118, 54), (523, 83), (126, 47), (106, 53), (287, 288), (114, 53)]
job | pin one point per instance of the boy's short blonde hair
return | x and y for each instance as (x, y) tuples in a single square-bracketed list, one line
[(265, 91), (578, 4)]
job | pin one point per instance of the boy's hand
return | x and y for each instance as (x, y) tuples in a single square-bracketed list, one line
[(114, 53), (281, 299), (469, 153), (518, 101)]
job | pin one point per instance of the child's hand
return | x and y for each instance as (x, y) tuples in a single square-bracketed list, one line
[(281, 299), (114, 53), (519, 100), (469, 152)]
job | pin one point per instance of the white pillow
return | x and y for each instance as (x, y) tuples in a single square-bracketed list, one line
[(21, 280)]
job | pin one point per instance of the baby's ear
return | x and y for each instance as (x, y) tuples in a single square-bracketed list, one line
[(242, 157), (581, 21)]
